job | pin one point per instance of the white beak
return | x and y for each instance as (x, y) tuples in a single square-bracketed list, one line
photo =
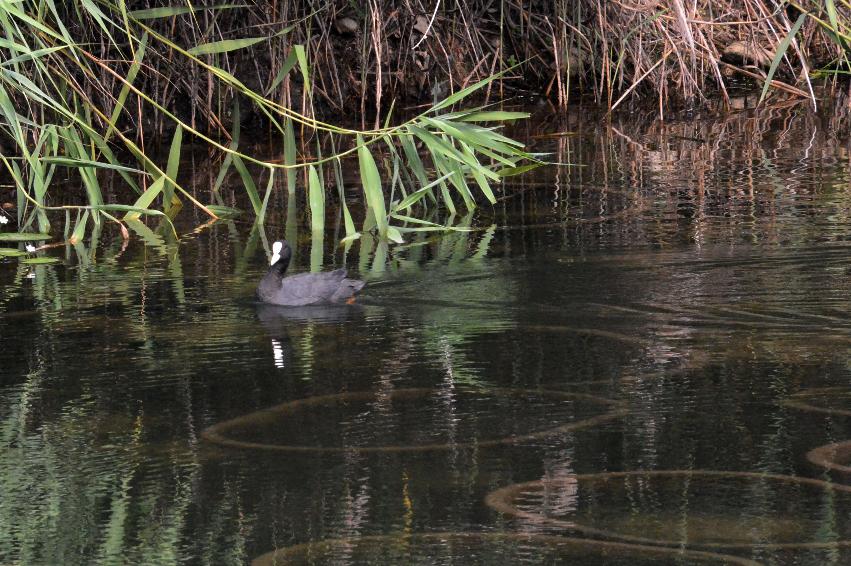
[(275, 258)]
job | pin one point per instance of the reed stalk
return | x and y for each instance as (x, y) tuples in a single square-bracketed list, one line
[(92, 86)]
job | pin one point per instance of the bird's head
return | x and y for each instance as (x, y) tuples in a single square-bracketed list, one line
[(281, 252)]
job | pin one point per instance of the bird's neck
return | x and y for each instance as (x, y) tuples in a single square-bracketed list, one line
[(280, 266)]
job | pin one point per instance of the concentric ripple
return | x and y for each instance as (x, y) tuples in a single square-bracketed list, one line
[(413, 419), (826, 400), (835, 457), (702, 509), (473, 549)]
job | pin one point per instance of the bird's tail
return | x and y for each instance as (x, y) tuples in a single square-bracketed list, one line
[(355, 284), (347, 290)]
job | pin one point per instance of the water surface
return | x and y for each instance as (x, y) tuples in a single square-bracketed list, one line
[(675, 301)]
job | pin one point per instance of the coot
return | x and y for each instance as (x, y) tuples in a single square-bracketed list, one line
[(306, 288)]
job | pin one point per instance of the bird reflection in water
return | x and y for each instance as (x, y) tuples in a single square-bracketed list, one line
[(279, 321)]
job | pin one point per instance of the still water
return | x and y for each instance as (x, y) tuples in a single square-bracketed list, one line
[(630, 360)]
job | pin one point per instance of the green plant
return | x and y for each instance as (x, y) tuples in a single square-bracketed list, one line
[(63, 105)]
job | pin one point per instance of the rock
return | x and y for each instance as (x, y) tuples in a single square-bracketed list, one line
[(346, 25), (748, 53), (421, 25)]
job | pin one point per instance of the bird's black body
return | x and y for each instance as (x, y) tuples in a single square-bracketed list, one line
[(306, 288)]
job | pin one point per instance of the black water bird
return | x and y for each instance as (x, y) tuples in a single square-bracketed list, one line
[(306, 288)]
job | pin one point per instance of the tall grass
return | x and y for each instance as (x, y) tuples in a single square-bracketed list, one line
[(94, 85), (364, 55), (65, 105)]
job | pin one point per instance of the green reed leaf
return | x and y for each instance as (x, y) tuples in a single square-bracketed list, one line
[(40, 260), (270, 184), (77, 150), (80, 229), (138, 56), (371, 180), (493, 116), (143, 203), (415, 164), (225, 45), (236, 120), (316, 199), (286, 67), (457, 179), (394, 235), (414, 220), (481, 180), (443, 148), (781, 51), (71, 162), (23, 237), (417, 195), (463, 93), (302, 63), (832, 15), (511, 171), (9, 252), (290, 155), (169, 11), (172, 168), (224, 211), (30, 55), (248, 182), (99, 17)]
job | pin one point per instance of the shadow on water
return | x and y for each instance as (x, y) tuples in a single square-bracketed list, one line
[(678, 304)]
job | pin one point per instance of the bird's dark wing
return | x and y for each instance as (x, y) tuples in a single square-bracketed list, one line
[(311, 288)]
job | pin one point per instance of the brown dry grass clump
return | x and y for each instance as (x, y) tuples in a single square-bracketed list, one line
[(363, 55)]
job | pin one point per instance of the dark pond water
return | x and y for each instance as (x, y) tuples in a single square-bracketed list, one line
[(626, 361)]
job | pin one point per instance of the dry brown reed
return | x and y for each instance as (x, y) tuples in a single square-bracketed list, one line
[(364, 55)]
